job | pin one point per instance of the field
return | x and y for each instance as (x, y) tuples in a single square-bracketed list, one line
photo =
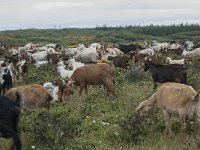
[(98, 120)]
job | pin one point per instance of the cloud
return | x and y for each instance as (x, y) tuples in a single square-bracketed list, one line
[(57, 5)]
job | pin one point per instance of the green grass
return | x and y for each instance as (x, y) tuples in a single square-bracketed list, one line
[(100, 121)]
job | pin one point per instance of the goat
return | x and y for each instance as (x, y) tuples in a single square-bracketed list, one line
[(53, 90), (194, 54), (170, 61), (32, 96), (72, 63), (120, 61), (93, 74), (166, 73), (63, 72), (9, 118), (172, 98), (6, 79), (87, 57), (146, 51)]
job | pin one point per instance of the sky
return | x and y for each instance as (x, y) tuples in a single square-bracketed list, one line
[(23, 14)]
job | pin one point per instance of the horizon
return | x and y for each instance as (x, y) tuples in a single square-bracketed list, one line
[(100, 26)]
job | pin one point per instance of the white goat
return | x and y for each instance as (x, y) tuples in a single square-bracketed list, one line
[(39, 63), (146, 51), (82, 48), (194, 54), (160, 46), (53, 90), (114, 51), (72, 63), (170, 61), (189, 45), (87, 57), (72, 51), (64, 73), (38, 56)]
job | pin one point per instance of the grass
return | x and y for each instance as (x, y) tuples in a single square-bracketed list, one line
[(100, 121)]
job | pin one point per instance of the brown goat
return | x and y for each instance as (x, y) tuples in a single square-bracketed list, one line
[(32, 96), (120, 60), (140, 58), (94, 74)]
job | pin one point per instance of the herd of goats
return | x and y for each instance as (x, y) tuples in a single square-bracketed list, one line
[(95, 64)]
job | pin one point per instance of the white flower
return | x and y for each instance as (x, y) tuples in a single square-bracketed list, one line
[(94, 121), (116, 133), (99, 142), (103, 123), (33, 146)]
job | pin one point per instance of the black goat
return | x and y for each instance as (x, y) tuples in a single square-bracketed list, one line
[(128, 48), (9, 118), (166, 73)]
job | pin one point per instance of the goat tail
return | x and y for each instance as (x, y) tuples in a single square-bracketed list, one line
[(8, 133), (148, 104), (18, 99)]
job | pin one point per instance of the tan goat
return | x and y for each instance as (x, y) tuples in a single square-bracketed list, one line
[(171, 98), (32, 96)]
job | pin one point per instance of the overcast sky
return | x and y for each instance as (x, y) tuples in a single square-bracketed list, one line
[(20, 14)]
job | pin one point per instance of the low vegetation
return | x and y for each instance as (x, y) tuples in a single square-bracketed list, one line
[(127, 34), (100, 121)]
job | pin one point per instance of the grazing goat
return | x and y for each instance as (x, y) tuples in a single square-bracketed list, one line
[(114, 51), (128, 48), (32, 96), (166, 73), (93, 74), (177, 51), (63, 72), (23, 67), (170, 61), (9, 118), (140, 58), (147, 51), (73, 64), (87, 57), (39, 56), (174, 98), (53, 90), (120, 61), (194, 54)]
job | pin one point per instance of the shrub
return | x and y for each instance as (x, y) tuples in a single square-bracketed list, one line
[(136, 73)]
